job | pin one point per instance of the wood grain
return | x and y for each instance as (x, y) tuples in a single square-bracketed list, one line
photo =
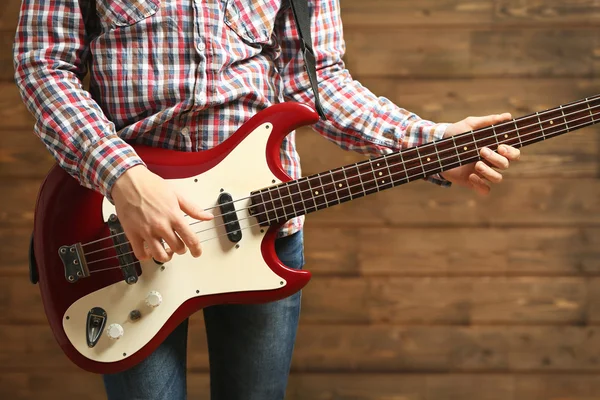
[(456, 301), (367, 348), (302, 386)]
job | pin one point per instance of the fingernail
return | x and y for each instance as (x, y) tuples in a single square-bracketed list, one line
[(486, 152), (502, 148)]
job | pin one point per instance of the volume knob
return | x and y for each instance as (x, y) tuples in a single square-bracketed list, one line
[(115, 331), (154, 299)]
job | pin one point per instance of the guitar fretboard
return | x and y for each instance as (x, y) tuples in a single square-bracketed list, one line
[(299, 197)]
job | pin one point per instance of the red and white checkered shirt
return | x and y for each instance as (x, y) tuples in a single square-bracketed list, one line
[(184, 75)]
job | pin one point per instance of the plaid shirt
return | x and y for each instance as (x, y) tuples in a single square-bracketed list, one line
[(185, 74)]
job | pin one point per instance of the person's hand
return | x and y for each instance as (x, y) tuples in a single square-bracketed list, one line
[(151, 211), (479, 175)]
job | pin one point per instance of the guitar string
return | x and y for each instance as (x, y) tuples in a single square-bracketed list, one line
[(349, 187), (469, 160), (425, 146)]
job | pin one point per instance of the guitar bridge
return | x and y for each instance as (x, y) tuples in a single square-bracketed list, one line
[(73, 259)]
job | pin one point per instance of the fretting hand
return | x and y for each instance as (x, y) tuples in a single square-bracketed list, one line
[(479, 175)]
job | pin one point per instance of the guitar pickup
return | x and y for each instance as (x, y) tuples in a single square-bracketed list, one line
[(230, 218), (124, 252)]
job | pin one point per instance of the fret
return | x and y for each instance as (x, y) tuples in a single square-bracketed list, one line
[(467, 148), (564, 118), (273, 204), (288, 209), (358, 173), (334, 182), (529, 129), (447, 154), (517, 132), (328, 188), (403, 164), (429, 158), (396, 166), (495, 136), (456, 149), (374, 175), (550, 124), (322, 189), (506, 134), (541, 125), (315, 190), (355, 183), (437, 154), (347, 182), (301, 197), (589, 107), (485, 137), (385, 158), (264, 203), (384, 179), (420, 161), (307, 196), (341, 183), (367, 176)]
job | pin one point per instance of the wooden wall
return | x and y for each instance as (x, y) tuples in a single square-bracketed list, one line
[(419, 293)]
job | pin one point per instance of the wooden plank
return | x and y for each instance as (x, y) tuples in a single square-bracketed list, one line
[(472, 53), (462, 301), (451, 252), (500, 13), (367, 348), (13, 112), (78, 384), (406, 252), (435, 13), (514, 203)]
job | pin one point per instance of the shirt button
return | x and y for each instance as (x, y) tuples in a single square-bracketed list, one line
[(185, 131), (201, 46)]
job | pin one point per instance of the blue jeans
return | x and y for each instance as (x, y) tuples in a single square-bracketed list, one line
[(250, 349)]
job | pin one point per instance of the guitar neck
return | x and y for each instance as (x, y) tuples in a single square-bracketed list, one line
[(302, 196)]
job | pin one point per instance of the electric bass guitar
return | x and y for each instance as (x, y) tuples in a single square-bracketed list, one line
[(108, 311)]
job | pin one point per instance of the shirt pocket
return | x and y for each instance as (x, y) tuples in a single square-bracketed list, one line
[(116, 13), (253, 21)]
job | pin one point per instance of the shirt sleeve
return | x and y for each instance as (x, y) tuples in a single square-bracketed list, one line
[(357, 119), (50, 55)]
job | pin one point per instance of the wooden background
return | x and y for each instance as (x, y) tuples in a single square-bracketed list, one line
[(419, 293)]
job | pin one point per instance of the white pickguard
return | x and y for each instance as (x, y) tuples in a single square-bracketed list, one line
[(222, 268)]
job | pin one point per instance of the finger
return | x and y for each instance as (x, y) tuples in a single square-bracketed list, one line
[(509, 152), (479, 185), (481, 122), (173, 241), (494, 158), (486, 172), (137, 245), (157, 250), (189, 237), (193, 210)]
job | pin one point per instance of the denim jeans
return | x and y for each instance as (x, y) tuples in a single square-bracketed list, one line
[(250, 349)]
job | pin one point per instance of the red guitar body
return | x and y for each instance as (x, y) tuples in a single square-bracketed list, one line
[(68, 214)]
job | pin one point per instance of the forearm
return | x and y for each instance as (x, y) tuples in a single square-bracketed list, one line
[(50, 56)]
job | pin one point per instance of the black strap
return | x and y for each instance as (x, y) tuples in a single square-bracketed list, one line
[(302, 18)]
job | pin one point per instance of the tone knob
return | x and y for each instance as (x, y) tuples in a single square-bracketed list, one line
[(115, 331), (153, 299)]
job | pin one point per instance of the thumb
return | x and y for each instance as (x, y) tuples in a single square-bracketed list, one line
[(193, 210), (482, 122)]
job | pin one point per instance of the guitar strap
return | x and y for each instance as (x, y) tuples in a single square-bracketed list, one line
[(302, 18)]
